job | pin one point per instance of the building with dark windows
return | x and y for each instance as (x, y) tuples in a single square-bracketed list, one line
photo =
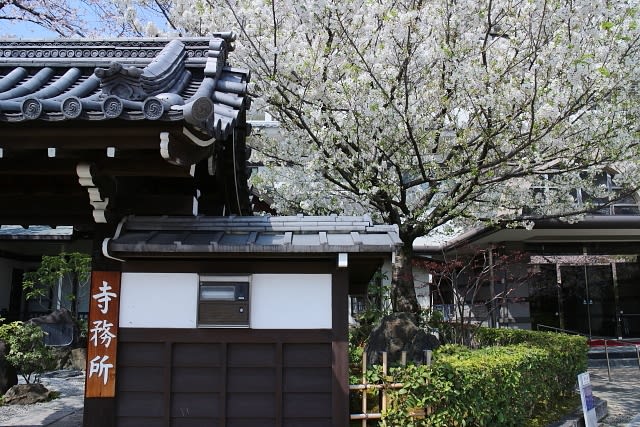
[(582, 276)]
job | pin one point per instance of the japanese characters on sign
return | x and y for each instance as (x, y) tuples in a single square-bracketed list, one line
[(103, 334)]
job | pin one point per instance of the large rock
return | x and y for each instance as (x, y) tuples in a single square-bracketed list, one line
[(60, 328), (8, 374), (397, 333), (62, 357), (79, 359), (26, 394)]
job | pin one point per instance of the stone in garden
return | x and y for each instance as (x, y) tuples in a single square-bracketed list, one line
[(27, 394), (59, 327), (8, 374), (397, 333), (79, 359), (63, 357)]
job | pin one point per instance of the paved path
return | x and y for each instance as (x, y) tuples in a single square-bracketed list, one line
[(622, 394)]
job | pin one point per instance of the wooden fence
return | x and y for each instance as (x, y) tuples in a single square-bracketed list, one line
[(364, 415)]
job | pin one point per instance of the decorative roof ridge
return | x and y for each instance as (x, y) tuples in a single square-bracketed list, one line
[(87, 52), (136, 84), (228, 36)]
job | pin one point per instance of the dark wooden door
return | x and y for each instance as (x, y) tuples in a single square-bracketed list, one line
[(15, 298)]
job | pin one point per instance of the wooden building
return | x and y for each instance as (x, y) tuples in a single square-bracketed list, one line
[(200, 314)]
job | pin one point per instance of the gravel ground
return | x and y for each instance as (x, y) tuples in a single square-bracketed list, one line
[(68, 383)]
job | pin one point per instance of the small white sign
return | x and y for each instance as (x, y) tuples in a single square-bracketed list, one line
[(588, 402)]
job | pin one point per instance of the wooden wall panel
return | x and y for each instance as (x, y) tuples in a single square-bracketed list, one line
[(198, 354), (195, 405), (306, 422), (251, 405), (251, 422), (127, 378), (221, 377), (307, 405), (201, 380), (194, 422), (141, 354), (141, 422), (136, 404), (249, 354), (307, 379)]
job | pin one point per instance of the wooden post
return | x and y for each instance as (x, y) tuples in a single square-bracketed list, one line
[(103, 334), (384, 375), (364, 392), (340, 347), (102, 339)]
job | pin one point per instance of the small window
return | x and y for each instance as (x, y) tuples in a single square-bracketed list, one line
[(223, 301), (358, 305)]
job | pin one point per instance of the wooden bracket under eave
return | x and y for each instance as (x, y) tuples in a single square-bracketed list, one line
[(179, 150), (98, 202)]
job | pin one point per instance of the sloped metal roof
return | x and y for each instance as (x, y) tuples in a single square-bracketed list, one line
[(132, 79), (35, 232), (257, 234)]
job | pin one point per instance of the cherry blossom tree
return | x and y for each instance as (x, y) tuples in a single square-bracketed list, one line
[(82, 18), (425, 112)]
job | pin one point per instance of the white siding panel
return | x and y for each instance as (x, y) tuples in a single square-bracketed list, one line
[(290, 301), (159, 300)]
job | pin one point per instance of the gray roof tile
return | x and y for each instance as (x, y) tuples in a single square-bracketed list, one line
[(266, 234), (132, 79), (35, 232)]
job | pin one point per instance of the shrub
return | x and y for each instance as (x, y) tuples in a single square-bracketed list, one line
[(569, 352), (492, 386), (27, 352)]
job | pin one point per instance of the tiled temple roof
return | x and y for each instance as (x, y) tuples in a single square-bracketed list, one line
[(180, 236), (131, 79)]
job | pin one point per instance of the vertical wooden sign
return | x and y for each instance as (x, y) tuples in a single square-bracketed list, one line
[(102, 336)]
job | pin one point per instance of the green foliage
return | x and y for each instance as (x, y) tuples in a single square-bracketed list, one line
[(52, 269), (377, 305), (54, 394), (431, 320), (556, 410), (512, 376), (356, 353), (569, 351), (452, 349), (27, 352)]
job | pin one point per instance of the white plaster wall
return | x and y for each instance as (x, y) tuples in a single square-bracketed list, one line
[(277, 301), (290, 301), (159, 300)]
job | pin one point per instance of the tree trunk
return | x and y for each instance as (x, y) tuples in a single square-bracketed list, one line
[(74, 294), (403, 292)]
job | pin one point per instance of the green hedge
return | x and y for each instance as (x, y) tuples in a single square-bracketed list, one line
[(569, 352), (496, 385)]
